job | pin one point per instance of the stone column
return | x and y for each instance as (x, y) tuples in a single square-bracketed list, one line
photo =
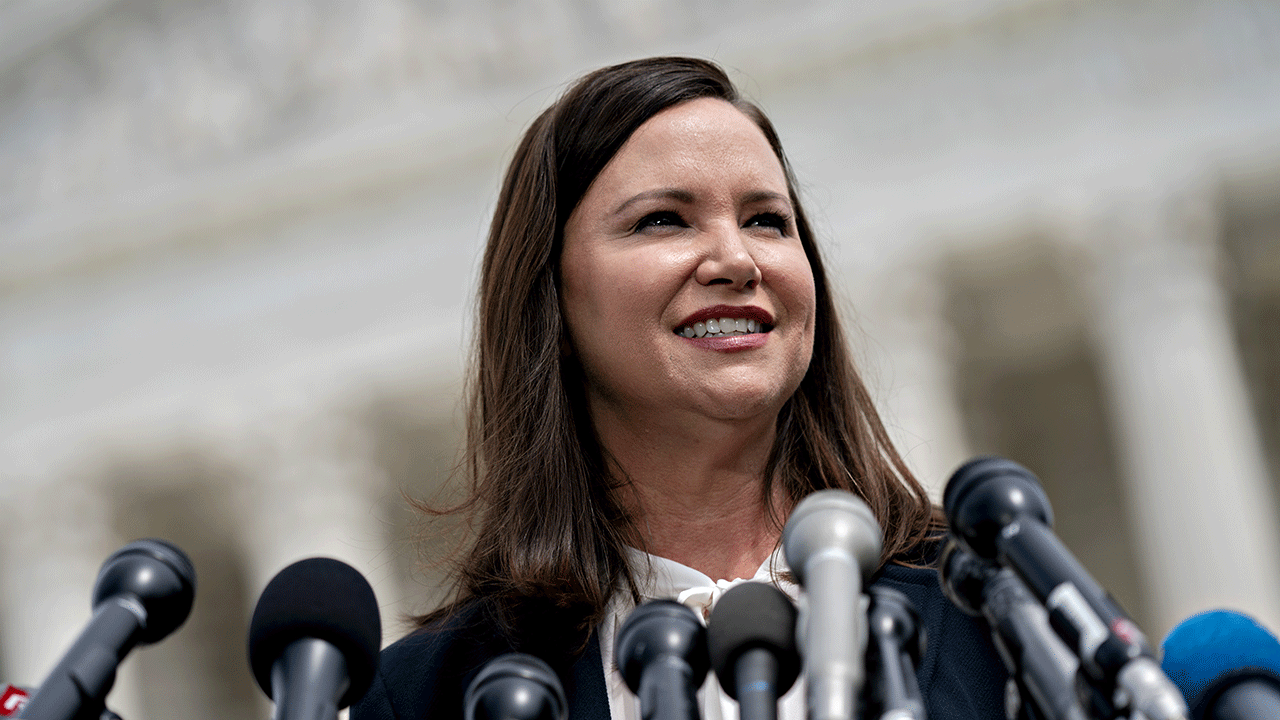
[(1196, 481), (912, 359), (312, 488)]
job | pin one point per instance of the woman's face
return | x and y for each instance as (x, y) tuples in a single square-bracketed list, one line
[(684, 284)]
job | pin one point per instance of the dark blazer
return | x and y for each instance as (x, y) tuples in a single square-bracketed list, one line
[(424, 675)]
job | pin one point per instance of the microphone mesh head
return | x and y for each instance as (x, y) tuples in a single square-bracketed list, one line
[(515, 686), (157, 574), (828, 520), (988, 493), (660, 631), (318, 598)]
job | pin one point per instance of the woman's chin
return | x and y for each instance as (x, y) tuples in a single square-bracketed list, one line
[(742, 403)]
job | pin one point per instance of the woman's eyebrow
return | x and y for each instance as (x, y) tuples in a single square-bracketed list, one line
[(677, 194), (764, 196)]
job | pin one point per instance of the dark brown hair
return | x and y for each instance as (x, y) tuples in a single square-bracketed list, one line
[(549, 530)]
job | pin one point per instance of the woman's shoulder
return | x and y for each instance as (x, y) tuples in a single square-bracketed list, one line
[(425, 673), (961, 672)]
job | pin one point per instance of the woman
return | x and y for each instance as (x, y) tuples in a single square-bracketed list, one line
[(659, 377)]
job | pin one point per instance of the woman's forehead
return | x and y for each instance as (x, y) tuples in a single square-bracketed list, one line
[(704, 144)]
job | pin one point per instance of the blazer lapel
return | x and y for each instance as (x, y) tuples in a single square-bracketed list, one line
[(588, 698)]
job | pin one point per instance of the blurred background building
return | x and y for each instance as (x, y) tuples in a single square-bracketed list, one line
[(238, 242)]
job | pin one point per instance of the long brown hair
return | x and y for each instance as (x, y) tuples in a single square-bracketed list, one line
[(549, 529)]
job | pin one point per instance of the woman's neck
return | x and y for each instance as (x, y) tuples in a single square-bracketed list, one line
[(697, 496)]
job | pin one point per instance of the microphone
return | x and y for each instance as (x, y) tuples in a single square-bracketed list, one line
[(144, 592), (897, 644), (662, 653), (832, 543), (515, 686), (1226, 665), (1037, 660), (751, 638), (314, 639), (998, 511)]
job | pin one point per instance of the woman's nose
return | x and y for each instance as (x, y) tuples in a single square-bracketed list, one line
[(727, 260)]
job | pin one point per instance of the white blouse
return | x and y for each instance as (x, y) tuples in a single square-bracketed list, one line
[(660, 578)]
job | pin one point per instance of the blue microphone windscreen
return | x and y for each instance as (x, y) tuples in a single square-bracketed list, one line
[(1214, 644)]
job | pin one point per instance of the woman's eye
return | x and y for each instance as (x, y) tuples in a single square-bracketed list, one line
[(769, 220), (665, 218)]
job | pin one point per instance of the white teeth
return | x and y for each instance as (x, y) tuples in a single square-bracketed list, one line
[(720, 327)]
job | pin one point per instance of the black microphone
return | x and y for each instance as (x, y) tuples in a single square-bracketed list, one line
[(1042, 667), (662, 653), (998, 511), (832, 542), (144, 592), (515, 686), (751, 637), (896, 644), (314, 639), (1226, 665)]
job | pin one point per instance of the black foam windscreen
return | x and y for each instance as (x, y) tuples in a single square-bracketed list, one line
[(324, 599), (753, 615)]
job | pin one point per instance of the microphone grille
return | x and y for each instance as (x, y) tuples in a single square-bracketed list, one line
[(985, 495), (832, 519), (318, 598), (658, 629), (501, 691), (974, 471), (159, 575)]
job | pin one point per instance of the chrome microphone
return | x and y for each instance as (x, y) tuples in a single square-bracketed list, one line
[(832, 543)]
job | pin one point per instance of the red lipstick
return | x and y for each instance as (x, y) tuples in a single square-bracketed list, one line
[(746, 312)]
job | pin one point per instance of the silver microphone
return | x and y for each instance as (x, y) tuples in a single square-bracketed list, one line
[(832, 543)]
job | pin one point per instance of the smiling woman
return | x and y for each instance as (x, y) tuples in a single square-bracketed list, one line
[(689, 230), (659, 376)]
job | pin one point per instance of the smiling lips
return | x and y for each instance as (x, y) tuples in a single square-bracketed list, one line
[(723, 321)]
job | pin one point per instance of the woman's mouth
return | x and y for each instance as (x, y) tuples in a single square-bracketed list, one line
[(723, 327)]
